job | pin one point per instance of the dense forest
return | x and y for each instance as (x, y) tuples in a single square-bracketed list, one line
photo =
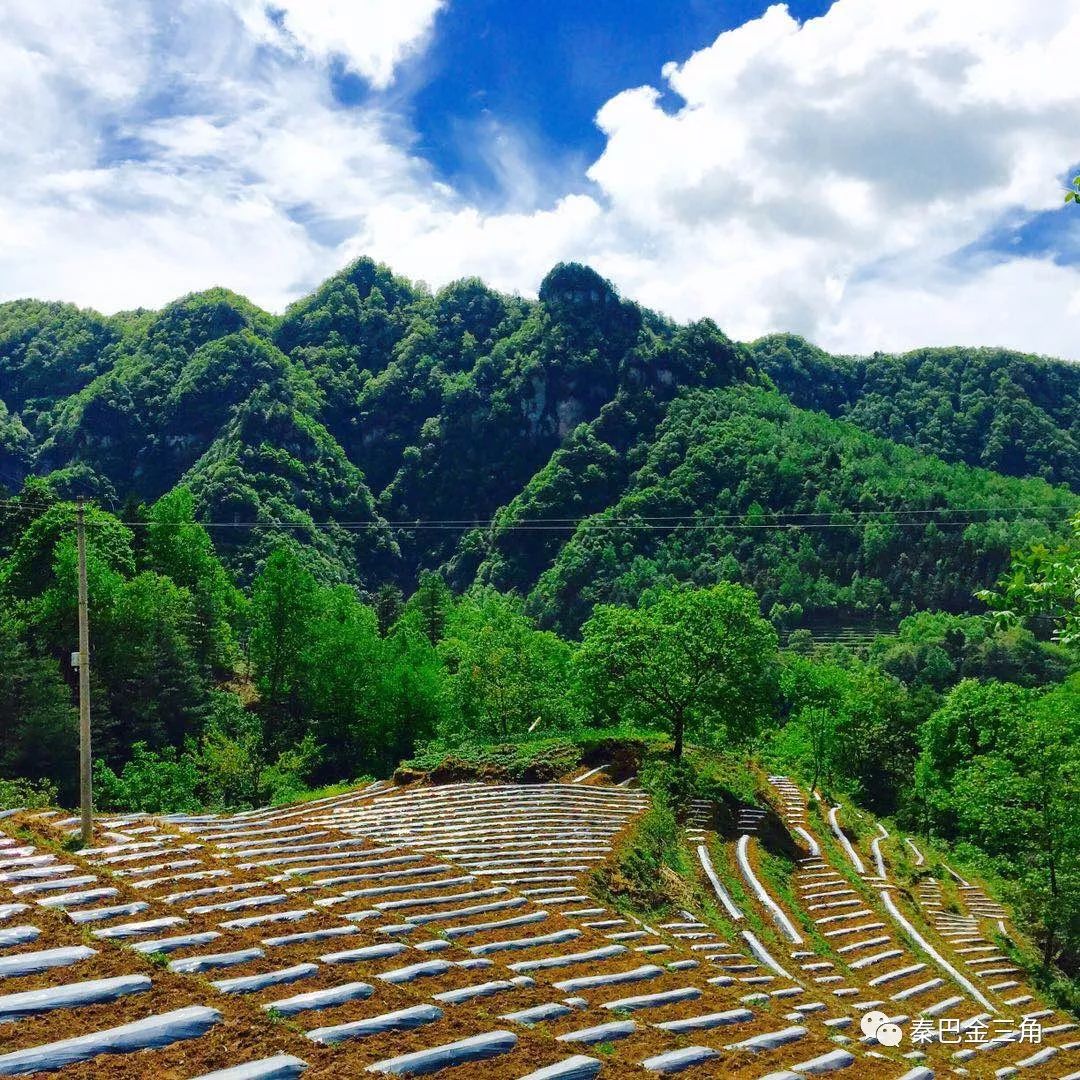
[(393, 522), (388, 430)]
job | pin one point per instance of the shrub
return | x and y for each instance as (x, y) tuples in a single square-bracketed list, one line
[(152, 782), (672, 784), (18, 794)]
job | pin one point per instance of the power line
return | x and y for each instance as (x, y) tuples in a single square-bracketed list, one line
[(662, 519), (911, 517), (602, 526), (477, 522)]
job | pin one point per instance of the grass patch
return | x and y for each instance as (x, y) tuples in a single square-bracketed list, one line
[(326, 792), (1053, 984), (776, 873), (535, 760), (648, 866)]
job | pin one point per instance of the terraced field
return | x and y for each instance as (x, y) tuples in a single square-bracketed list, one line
[(452, 930)]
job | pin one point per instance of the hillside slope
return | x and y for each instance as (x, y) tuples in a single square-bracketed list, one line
[(471, 929), (1008, 411)]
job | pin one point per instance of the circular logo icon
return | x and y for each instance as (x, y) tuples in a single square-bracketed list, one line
[(871, 1021), (889, 1034)]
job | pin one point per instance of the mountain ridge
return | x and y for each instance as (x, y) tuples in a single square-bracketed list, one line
[(373, 403)]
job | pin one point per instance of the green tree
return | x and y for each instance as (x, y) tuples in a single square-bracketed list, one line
[(285, 603), (388, 607), (1043, 583), (38, 726), (339, 692), (999, 769), (814, 692), (416, 694), (505, 675), (232, 754), (430, 605), (850, 725), (181, 549), (974, 719), (701, 661), (152, 781), (30, 570), (154, 689)]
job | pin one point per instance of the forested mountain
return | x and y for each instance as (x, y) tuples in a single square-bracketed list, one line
[(813, 514), (1002, 410), (393, 522), (576, 448)]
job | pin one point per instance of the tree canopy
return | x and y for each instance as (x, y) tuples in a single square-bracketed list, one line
[(701, 661)]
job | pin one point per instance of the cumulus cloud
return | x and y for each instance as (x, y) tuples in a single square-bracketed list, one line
[(815, 167), (831, 178), (215, 157)]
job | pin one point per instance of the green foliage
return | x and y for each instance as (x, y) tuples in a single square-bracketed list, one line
[(288, 777), (374, 401), (1043, 584), (321, 667), (999, 768), (181, 549), (506, 677), (19, 794), (284, 603), (228, 769), (812, 737), (232, 754), (849, 728), (153, 638), (38, 727), (864, 526), (155, 782), (16, 449), (1001, 410), (48, 351), (673, 784), (388, 607), (935, 650), (635, 873), (1073, 195), (30, 570), (428, 607), (695, 661)]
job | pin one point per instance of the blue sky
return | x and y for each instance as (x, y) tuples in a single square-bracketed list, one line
[(544, 70), (872, 174)]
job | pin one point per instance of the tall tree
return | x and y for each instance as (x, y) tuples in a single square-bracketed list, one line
[(38, 727), (696, 660), (285, 602), (181, 549), (506, 676), (999, 769), (814, 693), (430, 605), (388, 607)]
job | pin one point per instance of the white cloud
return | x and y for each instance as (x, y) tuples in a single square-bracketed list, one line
[(821, 178), (805, 159), (1025, 303), (371, 37)]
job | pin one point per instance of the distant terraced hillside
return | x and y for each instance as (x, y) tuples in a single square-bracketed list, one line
[(454, 930)]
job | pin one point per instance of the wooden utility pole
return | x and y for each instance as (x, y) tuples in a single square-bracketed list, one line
[(86, 789)]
